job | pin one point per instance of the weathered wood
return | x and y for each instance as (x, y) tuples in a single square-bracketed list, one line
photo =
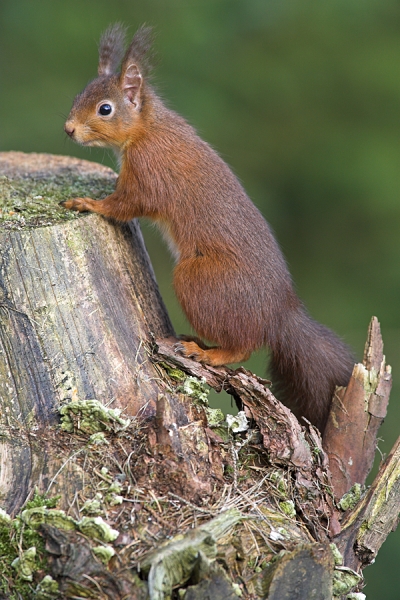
[(76, 304), (286, 441), (307, 572), (367, 526), (357, 412), (78, 300), (145, 501)]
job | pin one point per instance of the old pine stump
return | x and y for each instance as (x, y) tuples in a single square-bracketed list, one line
[(116, 478)]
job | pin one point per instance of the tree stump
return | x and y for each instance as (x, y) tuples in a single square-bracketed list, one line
[(117, 479), (78, 299)]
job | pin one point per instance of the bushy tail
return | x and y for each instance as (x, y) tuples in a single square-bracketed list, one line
[(308, 361)]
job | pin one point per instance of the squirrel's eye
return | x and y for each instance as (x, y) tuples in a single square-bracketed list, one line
[(105, 109)]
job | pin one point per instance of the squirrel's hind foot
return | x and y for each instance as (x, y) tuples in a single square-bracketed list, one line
[(215, 357)]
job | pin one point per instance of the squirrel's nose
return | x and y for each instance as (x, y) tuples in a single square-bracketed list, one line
[(69, 129)]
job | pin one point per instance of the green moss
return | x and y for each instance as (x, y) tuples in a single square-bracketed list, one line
[(96, 528), (5, 519), (350, 499), (104, 553), (215, 417), (22, 551), (94, 505), (237, 590), (113, 497), (25, 564), (33, 201), (198, 390), (344, 580), (90, 416), (222, 431), (195, 388), (287, 507), (47, 589), (115, 487), (173, 372), (34, 517), (365, 525), (41, 500), (278, 478), (98, 439), (337, 557)]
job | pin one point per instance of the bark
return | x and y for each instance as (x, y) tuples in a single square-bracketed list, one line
[(357, 413), (366, 527), (163, 498), (78, 299)]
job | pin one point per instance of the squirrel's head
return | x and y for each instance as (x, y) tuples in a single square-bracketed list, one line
[(108, 111)]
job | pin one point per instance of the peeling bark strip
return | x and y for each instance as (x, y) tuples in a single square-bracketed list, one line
[(287, 443), (281, 431), (357, 413)]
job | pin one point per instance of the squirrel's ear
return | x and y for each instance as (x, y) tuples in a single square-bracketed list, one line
[(135, 66), (111, 49), (131, 84)]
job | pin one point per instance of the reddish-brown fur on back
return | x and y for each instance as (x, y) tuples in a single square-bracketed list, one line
[(230, 276)]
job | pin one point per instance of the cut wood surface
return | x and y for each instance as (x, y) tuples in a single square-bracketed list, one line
[(164, 495)]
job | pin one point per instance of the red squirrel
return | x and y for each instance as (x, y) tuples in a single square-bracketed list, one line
[(230, 276)]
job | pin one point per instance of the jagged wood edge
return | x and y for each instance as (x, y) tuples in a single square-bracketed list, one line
[(357, 412)]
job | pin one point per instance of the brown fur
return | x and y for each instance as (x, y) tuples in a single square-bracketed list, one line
[(230, 277)]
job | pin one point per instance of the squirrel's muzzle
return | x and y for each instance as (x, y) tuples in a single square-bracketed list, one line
[(69, 129)]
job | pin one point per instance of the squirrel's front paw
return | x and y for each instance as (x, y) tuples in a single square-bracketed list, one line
[(79, 204)]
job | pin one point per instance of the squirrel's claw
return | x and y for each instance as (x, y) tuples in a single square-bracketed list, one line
[(189, 350), (178, 348)]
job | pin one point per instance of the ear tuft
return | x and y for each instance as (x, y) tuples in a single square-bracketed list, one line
[(135, 66), (111, 49), (138, 50)]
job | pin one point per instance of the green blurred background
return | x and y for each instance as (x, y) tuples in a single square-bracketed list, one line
[(301, 98)]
